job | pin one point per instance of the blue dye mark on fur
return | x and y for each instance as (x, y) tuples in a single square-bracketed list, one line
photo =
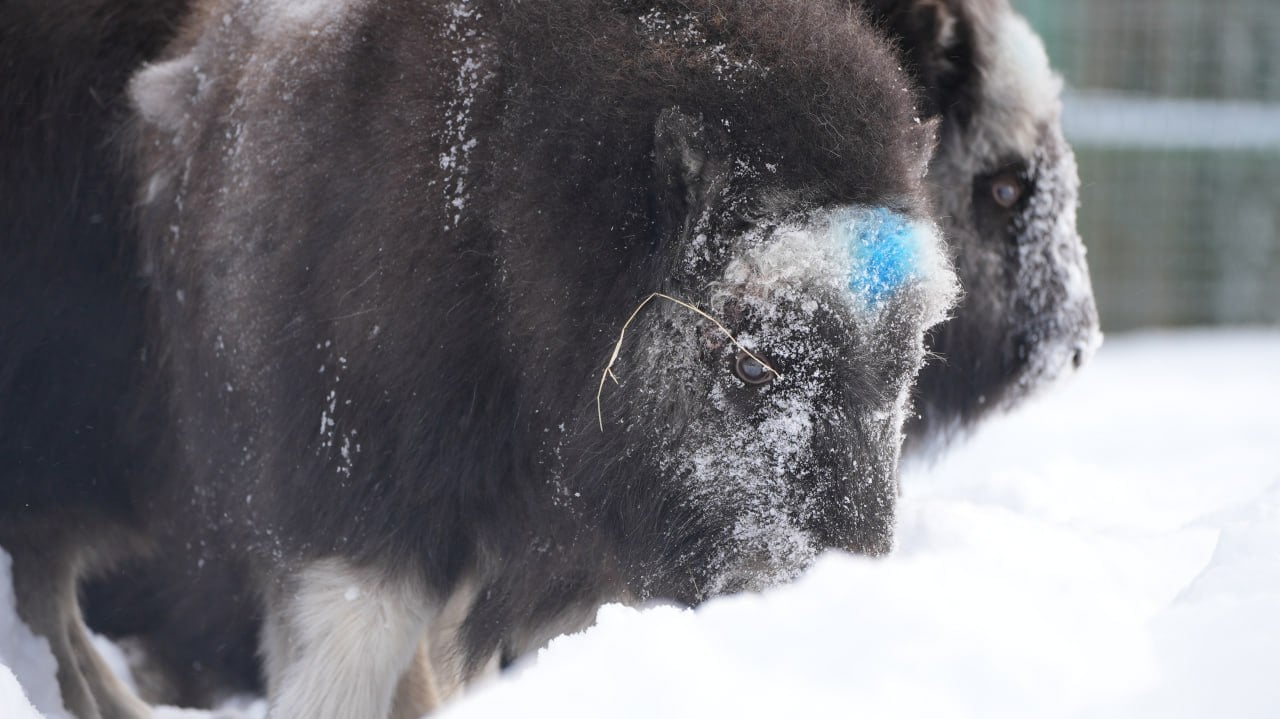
[(885, 248)]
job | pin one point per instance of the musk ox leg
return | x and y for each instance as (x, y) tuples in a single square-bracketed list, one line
[(44, 583), (418, 692), (115, 701), (338, 640), (450, 671)]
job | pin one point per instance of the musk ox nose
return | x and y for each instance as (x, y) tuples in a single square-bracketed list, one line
[(1087, 343)]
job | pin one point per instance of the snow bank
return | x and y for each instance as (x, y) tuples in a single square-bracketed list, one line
[(13, 701), (28, 671), (1111, 551)]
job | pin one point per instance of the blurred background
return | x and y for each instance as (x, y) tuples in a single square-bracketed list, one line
[(1173, 107)]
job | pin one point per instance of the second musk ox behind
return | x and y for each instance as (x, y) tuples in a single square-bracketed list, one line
[(1005, 188), (392, 246)]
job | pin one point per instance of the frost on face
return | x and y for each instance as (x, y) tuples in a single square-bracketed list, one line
[(1055, 290), (889, 250), (867, 253), (752, 465), (821, 292), (885, 251)]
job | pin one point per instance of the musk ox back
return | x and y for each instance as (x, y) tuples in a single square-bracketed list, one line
[(392, 248)]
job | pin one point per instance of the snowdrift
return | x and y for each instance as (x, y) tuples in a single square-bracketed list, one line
[(1112, 550)]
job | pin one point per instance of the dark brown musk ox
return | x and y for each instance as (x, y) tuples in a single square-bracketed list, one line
[(72, 57), (388, 249), (71, 316), (1004, 187)]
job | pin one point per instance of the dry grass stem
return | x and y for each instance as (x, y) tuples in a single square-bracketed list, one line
[(617, 348)]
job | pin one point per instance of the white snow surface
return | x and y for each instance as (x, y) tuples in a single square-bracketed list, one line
[(27, 665), (13, 701), (1110, 550)]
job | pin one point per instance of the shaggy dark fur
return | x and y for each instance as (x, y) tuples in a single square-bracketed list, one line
[(71, 317), (937, 40), (70, 291), (984, 353), (390, 253), (986, 357)]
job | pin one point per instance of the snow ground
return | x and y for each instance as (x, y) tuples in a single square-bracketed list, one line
[(1112, 550)]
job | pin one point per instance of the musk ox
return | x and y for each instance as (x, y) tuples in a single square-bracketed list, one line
[(71, 316), (392, 246), (957, 52), (390, 252), (1004, 185), (1027, 308)]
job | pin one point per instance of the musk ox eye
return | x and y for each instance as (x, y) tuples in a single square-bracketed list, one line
[(751, 370), (1006, 190)]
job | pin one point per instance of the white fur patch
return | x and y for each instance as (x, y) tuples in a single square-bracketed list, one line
[(446, 661), (818, 255), (302, 16), (1022, 48), (339, 643), (161, 92), (1022, 89)]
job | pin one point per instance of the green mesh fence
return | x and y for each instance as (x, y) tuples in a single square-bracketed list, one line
[(1174, 108)]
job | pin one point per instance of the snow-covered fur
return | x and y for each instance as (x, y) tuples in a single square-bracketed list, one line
[(392, 245), (71, 316), (63, 134), (1027, 313)]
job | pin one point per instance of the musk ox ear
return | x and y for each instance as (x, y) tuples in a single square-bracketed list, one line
[(936, 42), (690, 173)]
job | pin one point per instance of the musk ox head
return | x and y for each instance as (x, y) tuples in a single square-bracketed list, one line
[(1004, 186), (765, 389), (783, 426)]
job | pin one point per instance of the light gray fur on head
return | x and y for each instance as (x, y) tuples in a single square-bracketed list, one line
[(1021, 93)]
